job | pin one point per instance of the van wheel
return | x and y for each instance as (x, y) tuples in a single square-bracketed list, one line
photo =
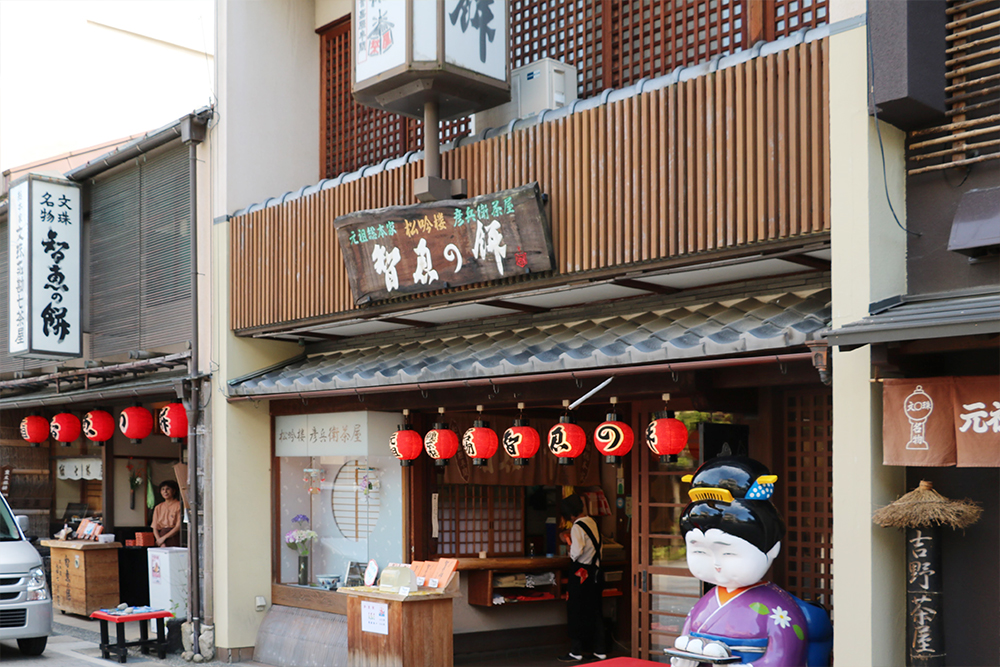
[(32, 645)]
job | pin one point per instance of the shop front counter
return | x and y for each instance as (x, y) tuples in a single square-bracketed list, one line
[(84, 575)]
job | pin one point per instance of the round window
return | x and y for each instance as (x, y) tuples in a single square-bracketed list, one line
[(355, 500)]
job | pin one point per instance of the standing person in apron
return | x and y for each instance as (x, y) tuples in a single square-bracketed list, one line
[(586, 622)]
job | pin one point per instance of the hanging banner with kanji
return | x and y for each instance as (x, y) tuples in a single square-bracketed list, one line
[(395, 251), (941, 421)]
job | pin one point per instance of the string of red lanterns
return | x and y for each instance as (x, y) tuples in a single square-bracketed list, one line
[(613, 438), (406, 444), (441, 443), (98, 426), (173, 421)]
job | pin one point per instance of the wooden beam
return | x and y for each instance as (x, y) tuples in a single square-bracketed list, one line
[(644, 286), (510, 305), (406, 321), (806, 260)]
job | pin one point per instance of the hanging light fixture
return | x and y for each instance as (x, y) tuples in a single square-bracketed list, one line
[(35, 429), (173, 421), (98, 426), (406, 444), (136, 423), (614, 438), (520, 441), (666, 436), (480, 442), (441, 443), (567, 440), (65, 428)]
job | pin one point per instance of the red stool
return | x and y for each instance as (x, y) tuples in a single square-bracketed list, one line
[(145, 643)]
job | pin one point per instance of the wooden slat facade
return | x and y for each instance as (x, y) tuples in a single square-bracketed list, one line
[(733, 158)]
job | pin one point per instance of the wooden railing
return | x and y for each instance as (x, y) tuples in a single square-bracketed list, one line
[(733, 158)]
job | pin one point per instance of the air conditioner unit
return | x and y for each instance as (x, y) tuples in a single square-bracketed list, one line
[(543, 84)]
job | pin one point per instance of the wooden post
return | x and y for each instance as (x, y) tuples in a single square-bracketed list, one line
[(759, 21)]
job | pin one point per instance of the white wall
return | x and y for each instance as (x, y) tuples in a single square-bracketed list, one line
[(74, 73), (268, 75)]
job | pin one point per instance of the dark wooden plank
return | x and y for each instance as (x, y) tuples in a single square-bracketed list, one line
[(309, 598)]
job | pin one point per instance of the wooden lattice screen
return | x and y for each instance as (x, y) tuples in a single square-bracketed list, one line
[(971, 132), (612, 44), (474, 518), (808, 494)]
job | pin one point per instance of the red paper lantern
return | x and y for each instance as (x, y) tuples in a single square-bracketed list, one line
[(136, 423), (65, 428), (521, 442), (173, 421), (35, 429), (567, 440), (98, 426), (441, 444), (614, 439), (406, 445), (667, 437), (480, 442)]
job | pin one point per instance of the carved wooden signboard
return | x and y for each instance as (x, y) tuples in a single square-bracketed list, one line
[(410, 249)]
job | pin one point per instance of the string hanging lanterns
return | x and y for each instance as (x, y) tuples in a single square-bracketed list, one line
[(520, 441), (406, 444), (614, 438), (666, 436), (98, 426), (173, 421), (35, 429), (65, 428), (480, 442), (567, 440), (136, 423), (440, 443)]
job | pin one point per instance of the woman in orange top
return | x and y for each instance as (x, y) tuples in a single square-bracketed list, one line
[(167, 516)]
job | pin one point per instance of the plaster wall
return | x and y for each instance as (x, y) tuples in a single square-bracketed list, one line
[(268, 78), (328, 11), (98, 71), (846, 9), (241, 469), (868, 265)]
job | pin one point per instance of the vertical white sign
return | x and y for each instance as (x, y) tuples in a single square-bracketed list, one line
[(45, 269), (17, 259), (475, 36), (379, 37), (375, 617)]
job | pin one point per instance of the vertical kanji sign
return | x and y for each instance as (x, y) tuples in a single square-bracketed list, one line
[(45, 274)]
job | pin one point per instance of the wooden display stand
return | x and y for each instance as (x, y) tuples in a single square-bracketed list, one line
[(418, 628), (84, 575)]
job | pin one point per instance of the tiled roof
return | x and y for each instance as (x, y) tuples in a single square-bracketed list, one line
[(713, 329)]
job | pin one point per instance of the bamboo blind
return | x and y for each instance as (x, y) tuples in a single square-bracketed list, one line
[(733, 158), (612, 44), (971, 133)]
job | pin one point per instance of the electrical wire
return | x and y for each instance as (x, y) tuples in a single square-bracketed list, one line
[(878, 127)]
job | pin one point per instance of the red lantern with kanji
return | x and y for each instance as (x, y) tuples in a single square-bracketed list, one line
[(406, 445), (65, 428), (441, 444), (667, 437), (567, 440), (98, 426), (136, 423), (35, 429), (614, 439), (480, 442), (173, 421), (521, 442)]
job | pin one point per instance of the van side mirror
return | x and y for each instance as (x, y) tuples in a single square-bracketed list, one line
[(22, 523)]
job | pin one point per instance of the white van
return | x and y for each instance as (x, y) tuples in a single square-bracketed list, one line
[(25, 603)]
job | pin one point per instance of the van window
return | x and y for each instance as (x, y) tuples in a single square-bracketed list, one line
[(8, 529)]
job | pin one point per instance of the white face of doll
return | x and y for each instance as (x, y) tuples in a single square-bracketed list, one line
[(726, 560)]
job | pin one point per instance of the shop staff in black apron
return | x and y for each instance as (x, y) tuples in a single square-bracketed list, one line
[(586, 622)]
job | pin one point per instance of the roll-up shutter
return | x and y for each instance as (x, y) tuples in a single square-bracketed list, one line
[(139, 256)]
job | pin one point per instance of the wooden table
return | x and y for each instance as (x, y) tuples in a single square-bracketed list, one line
[(411, 631), (120, 648), (84, 575)]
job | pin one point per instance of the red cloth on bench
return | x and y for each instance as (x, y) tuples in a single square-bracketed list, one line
[(123, 618)]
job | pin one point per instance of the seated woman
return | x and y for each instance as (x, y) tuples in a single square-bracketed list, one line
[(167, 516), (733, 534)]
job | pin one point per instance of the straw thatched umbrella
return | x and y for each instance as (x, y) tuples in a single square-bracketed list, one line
[(921, 513)]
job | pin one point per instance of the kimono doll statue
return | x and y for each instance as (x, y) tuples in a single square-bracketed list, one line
[(733, 534)]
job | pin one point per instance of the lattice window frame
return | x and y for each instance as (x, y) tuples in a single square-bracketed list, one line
[(475, 517)]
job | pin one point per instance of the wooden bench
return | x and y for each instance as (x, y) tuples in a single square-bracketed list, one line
[(120, 648)]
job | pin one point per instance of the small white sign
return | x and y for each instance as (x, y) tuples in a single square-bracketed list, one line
[(433, 583), (375, 617), (420, 581), (404, 590), (379, 37)]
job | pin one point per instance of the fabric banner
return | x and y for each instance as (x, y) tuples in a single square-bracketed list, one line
[(977, 421), (941, 421), (80, 469)]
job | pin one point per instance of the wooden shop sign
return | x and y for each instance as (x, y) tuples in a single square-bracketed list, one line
[(401, 250)]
